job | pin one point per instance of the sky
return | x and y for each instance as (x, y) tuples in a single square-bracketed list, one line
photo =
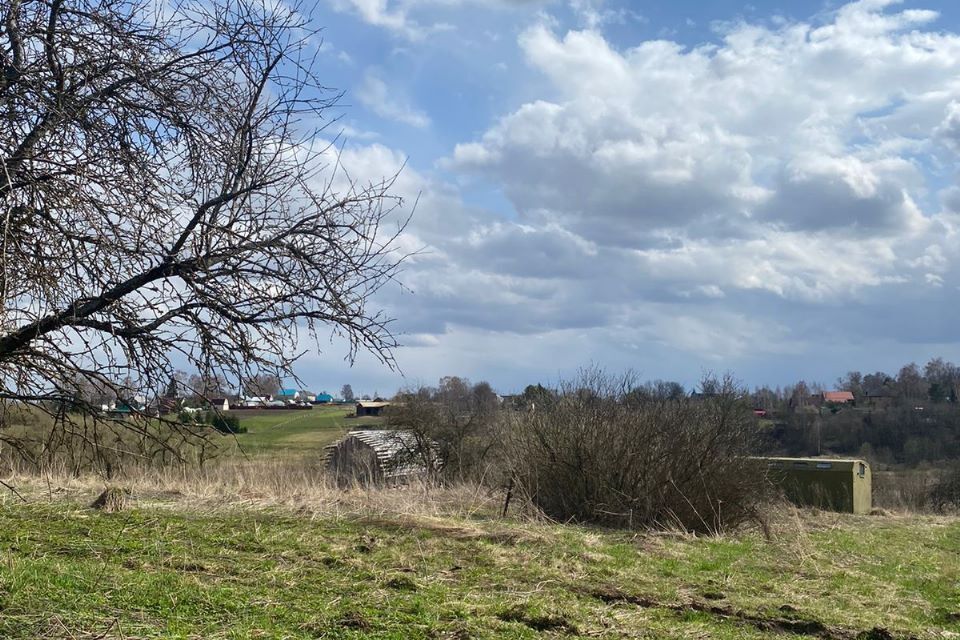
[(769, 189)]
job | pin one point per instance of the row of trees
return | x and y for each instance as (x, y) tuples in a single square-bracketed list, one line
[(937, 382), (897, 435)]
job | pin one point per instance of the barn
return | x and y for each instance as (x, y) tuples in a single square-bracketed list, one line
[(368, 408), (379, 456)]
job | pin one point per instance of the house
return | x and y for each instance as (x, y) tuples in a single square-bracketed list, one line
[(122, 409), (219, 404), (371, 408), (380, 456), (323, 398), (166, 405), (255, 401), (287, 395), (760, 413), (838, 397)]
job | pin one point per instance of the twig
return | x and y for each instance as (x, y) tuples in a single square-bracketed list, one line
[(13, 490)]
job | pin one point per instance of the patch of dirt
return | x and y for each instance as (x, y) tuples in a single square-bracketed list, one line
[(538, 622), (402, 583), (504, 537), (354, 620), (952, 617), (791, 624), (188, 567), (367, 544), (330, 562), (456, 633), (877, 633)]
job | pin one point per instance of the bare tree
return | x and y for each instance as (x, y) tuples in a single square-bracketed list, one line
[(207, 386), (262, 384), (457, 422), (167, 197)]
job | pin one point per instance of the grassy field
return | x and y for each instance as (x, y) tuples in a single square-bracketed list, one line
[(171, 570), (295, 432)]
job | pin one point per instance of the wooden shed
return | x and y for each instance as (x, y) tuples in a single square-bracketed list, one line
[(379, 456), (832, 484), (371, 408)]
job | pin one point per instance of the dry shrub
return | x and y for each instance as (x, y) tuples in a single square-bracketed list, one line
[(918, 490), (603, 451), (945, 494), (455, 423), (904, 490)]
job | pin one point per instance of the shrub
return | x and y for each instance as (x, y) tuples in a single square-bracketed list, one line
[(604, 454), (903, 490), (224, 422), (945, 495), (456, 423)]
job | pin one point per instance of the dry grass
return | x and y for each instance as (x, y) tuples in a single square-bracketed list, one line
[(290, 485), (268, 548)]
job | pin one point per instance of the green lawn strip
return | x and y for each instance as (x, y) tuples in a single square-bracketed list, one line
[(293, 432), (245, 574)]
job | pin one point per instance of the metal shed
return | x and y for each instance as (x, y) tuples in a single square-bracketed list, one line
[(379, 456), (833, 484)]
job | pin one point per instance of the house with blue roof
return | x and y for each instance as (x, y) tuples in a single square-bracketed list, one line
[(323, 398), (291, 395)]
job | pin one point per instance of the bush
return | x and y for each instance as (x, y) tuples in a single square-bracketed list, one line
[(602, 453), (224, 422), (945, 495), (904, 490), (455, 423)]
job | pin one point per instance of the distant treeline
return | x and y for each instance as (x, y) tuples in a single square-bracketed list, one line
[(936, 383), (911, 417)]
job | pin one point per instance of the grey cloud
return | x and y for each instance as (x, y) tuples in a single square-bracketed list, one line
[(825, 201)]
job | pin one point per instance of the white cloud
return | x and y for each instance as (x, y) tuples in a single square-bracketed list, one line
[(375, 95), (396, 16), (380, 13), (776, 135), (765, 195)]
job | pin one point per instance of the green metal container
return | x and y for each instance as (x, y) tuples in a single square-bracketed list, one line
[(831, 484)]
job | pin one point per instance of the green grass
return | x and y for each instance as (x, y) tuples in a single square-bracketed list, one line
[(165, 571), (295, 432)]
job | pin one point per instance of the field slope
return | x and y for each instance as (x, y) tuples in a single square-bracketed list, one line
[(168, 570), (293, 433)]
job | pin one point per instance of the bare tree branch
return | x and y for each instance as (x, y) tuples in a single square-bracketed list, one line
[(168, 201)]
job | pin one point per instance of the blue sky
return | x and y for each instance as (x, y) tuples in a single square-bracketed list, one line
[(766, 188)]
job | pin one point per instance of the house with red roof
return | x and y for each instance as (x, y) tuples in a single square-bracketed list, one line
[(838, 397)]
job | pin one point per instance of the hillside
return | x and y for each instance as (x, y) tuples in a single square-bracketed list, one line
[(176, 568), (294, 433)]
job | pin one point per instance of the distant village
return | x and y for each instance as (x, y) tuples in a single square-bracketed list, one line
[(284, 399)]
